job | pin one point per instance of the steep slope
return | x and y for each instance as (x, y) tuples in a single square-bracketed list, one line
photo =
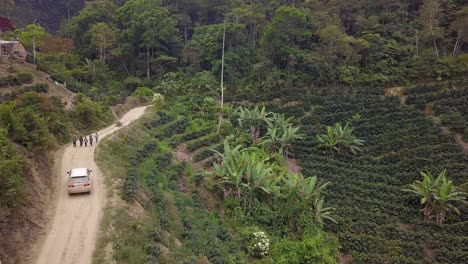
[(53, 88)]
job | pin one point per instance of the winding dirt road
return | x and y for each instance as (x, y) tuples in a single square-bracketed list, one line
[(71, 237)]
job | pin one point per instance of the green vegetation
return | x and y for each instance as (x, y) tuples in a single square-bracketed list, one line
[(340, 139), (12, 166), (301, 79), (250, 184), (20, 79), (377, 221), (447, 103), (175, 47), (438, 195)]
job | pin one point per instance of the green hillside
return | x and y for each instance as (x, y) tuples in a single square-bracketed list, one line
[(358, 156)]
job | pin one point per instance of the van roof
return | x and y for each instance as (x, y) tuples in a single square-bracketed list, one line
[(79, 172)]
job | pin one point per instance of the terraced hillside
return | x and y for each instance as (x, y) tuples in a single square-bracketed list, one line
[(185, 218), (377, 221), (449, 104)]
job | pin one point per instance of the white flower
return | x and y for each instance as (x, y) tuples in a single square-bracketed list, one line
[(259, 244)]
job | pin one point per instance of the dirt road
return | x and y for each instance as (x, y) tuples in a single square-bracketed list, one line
[(71, 237)]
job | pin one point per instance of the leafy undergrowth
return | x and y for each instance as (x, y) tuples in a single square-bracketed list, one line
[(176, 226), (186, 219), (377, 221)]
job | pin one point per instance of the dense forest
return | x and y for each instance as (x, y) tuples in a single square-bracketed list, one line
[(283, 131), (269, 44)]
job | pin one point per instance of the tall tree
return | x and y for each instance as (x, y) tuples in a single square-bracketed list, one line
[(460, 27), (33, 36), (286, 34), (149, 30), (104, 36), (79, 27), (222, 79), (429, 17)]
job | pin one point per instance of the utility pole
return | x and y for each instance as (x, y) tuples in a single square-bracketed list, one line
[(34, 49), (222, 78)]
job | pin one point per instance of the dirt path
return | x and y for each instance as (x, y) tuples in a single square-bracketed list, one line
[(71, 237)]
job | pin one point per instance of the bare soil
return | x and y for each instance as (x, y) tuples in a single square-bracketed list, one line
[(293, 167), (458, 139), (71, 235)]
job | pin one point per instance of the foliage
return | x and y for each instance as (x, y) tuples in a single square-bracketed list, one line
[(281, 135), (340, 139), (447, 104), (6, 24), (89, 115), (23, 124), (16, 80), (253, 119), (259, 244), (376, 219), (319, 248), (438, 195), (144, 93), (13, 169)]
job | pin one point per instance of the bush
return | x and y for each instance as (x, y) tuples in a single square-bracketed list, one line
[(38, 88), (12, 167), (25, 77), (311, 249), (259, 244), (202, 142), (19, 79), (88, 114), (143, 93)]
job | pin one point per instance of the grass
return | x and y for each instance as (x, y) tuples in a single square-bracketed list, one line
[(112, 158)]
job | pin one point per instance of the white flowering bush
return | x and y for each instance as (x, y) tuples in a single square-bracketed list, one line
[(158, 99), (259, 244)]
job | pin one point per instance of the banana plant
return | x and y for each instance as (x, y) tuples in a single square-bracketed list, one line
[(253, 120), (321, 213), (309, 190), (424, 189), (281, 134), (438, 195), (339, 139), (445, 195)]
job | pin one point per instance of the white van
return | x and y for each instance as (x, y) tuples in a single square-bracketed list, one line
[(79, 180)]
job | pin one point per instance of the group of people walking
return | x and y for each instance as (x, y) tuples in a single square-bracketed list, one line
[(84, 140)]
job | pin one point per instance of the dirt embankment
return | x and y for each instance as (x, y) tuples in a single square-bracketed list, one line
[(21, 225)]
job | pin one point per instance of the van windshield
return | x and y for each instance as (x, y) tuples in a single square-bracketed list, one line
[(79, 179)]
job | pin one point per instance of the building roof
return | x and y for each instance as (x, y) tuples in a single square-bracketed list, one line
[(4, 42)]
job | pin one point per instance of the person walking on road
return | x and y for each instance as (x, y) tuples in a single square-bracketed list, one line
[(74, 142), (81, 141), (85, 139), (91, 140), (96, 137)]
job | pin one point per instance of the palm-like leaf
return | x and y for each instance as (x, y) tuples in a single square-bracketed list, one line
[(281, 135), (321, 213), (339, 139), (438, 195), (253, 119)]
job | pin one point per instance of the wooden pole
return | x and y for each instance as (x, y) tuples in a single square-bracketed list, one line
[(222, 79)]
